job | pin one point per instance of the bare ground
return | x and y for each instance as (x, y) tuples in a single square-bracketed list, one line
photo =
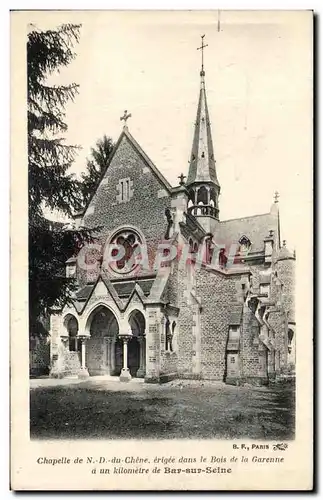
[(100, 408)]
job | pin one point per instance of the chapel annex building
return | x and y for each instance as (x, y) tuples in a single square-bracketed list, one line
[(231, 318)]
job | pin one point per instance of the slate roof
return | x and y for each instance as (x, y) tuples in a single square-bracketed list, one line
[(84, 292), (284, 253), (124, 289), (192, 227), (256, 228)]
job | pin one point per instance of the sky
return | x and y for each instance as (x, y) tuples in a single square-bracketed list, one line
[(259, 91)]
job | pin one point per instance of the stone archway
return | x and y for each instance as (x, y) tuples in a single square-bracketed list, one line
[(72, 327), (103, 328), (137, 344)]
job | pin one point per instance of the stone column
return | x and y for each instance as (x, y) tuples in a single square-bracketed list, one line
[(141, 372), (154, 319), (208, 195), (113, 356), (125, 372), (108, 352), (83, 373)]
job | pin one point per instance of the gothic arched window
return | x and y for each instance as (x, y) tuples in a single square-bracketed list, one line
[(202, 196), (245, 245)]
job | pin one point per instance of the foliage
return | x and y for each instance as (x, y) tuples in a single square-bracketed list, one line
[(96, 166), (51, 185)]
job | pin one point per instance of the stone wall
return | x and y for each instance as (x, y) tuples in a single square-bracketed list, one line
[(217, 292), (252, 351), (185, 320), (153, 344), (286, 273)]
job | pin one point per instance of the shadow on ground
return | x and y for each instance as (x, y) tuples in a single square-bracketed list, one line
[(178, 410)]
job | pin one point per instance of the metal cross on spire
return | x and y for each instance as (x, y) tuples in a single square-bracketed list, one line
[(202, 49), (219, 20), (125, 117), (276, 196)]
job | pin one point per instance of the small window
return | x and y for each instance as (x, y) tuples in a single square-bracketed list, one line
[(124, 190), (168, 336), (264, 290), (127, 197), (233, 338), (234, 331), (232, 359)]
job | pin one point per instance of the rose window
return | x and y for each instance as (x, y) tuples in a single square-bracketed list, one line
[(125, 251)]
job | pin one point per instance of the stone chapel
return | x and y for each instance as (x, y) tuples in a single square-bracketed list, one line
[(221, 306)]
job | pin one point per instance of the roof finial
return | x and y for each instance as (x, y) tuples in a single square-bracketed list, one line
[(181, 179), (202, 72), (276, 196), (125, 117)]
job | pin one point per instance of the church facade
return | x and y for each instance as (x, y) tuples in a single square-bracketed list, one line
[(169, 290)]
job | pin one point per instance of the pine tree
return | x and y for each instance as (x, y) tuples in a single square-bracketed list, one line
[(51, 185), (96, 166)]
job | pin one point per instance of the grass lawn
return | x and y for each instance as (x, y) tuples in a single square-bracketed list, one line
[(177, 410)]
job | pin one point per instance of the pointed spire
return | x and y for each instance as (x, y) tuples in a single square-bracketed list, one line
[(202, 162), (202, 182)]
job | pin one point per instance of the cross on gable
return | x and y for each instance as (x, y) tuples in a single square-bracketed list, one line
[(125, 116), (276, 196)]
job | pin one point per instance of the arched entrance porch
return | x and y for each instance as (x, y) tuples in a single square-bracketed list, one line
[(100, 353)]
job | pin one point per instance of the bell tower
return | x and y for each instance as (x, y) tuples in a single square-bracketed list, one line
[(202, 182)]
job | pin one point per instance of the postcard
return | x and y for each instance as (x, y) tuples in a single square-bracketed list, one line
[(161, 250)]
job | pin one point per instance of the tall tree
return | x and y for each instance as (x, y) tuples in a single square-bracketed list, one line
[(96, 165), (51, 185)]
